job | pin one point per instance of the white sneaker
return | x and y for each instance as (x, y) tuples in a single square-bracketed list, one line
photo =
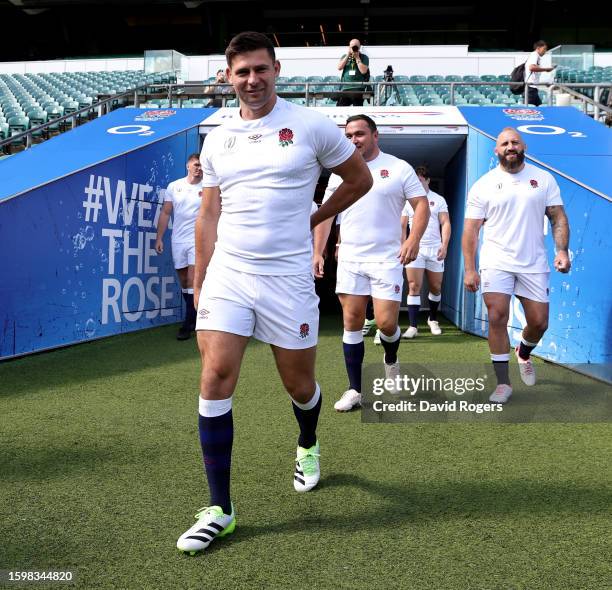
[(367, 326), (392, 371), (307, 470), (348, 401), (411, 332), (434, 327), (377, 337), (525, 369), (501, 394), (211, 523)]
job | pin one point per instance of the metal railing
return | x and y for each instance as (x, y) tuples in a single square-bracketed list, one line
[(102, 107), (377, 92)]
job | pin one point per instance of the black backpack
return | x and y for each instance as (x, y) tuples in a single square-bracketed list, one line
[(517, 75)]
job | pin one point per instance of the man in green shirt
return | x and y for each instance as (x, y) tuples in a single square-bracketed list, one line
[(354, 66)]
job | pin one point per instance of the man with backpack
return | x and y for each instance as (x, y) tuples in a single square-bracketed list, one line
[(532, 71)]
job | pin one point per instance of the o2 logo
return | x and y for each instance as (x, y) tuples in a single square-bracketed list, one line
[(142, 130), (548, 130)]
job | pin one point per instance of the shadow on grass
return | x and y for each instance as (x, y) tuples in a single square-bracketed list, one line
[(400, 505), (156, 348), (24, 464)]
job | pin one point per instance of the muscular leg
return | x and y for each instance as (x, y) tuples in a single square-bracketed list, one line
[(435, 288), (386, 313), (221, 355), (185, 276), (296, 370), (415, 280), (498, 310), (353, 316), (536, 315)]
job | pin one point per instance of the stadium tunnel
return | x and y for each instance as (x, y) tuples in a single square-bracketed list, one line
[(94, 209)]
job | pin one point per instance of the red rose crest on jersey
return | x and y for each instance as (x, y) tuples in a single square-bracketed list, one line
[(384, 173), (396, 288), (431, 203), (304, 330), (285, 137), (533, 183)]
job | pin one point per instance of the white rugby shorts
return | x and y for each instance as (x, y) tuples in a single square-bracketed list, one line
[(183, 254), (534, 286), (278, 310), (381, 280), (428, 259)]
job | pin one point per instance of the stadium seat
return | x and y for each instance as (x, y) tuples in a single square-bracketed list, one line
[(17, 125)]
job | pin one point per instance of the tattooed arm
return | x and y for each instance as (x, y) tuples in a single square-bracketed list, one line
[(560, 228)]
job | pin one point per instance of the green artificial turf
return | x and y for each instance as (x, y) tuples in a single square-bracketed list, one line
[(101, 471)]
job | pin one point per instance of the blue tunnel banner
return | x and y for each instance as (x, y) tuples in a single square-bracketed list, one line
[(578, 152), (78, 257)]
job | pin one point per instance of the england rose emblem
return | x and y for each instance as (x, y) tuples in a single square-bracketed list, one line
[(384, 174), (534, 183), (304, 331), (285, 137)]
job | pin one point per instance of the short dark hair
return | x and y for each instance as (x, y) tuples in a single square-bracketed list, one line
[(365, 118), (422, 171), (194, 156), (540, 43), (248, 41)]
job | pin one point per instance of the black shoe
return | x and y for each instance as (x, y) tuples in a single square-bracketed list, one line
[(184, 333)]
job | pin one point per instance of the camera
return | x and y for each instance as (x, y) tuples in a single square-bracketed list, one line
[(388, 74), (355, 48)]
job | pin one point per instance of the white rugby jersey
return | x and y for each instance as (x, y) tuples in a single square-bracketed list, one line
[(371, 227), (186, 200), (533, 60), (437, 204), (267, 170), (513, 206)]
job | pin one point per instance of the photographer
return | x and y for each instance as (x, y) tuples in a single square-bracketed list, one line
[(355, 68), (386, 91)]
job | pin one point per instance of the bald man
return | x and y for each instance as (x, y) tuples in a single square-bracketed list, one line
[(513, 199), (355, 67)]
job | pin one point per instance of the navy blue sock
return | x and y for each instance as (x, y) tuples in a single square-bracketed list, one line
[(433, 310), (307, 420), (190, 312), (390, 348), (353, 359), (525, 349), (370, 310), (216, 437), (413, 314)]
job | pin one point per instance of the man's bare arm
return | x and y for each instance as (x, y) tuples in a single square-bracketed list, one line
[(162, 225), (321, 235), (561, 233), (356, 182), (205, 236), (410, 247), (469, 245), (445, 234)]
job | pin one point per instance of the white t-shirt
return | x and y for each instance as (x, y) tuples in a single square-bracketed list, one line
[(533, 60), (371, 227), (267, 170), (186, 201), (513, 207), (437, 204)]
